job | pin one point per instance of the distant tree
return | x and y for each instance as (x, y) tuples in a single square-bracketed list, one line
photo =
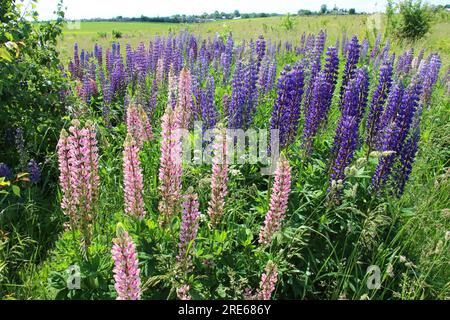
[(216, 15), (352, 11), (245, 16), (236, 13), (323, 9), (304, 12)]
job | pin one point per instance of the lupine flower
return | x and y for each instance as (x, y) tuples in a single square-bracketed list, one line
[(390, 113), (260, 48), (133, 179), (138, 125), (89, 158), (320, 42), (379, 97), (346, 137), (407, 156), (188, 229), (209, 111), (5, 172), (79, 179), (364, 50), (350, 65), (404, 62), (376, 47), (183, 292), (170, 169), (184, 107), (153, 101), (278, 201), (219, 177), (172, 94), (236, 105), (267, 73), (68, 201), (160, 71), (316, 110), (127, 281), (34, 171), (227, 58), (20, 146), (268, 281), (286, 110), (362, 81), (429, 77)]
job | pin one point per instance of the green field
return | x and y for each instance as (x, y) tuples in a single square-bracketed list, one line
[(272, 28)]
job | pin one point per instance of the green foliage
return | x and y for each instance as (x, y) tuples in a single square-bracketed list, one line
[(287, 22), (116, 34), (30, 98)]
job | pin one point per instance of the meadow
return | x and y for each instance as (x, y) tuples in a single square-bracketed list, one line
[(272, 28), (357, 207)]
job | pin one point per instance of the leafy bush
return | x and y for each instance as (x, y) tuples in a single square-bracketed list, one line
[(32, 102), (117, 34), (413, 22)]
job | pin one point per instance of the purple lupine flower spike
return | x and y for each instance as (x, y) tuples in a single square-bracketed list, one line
[(34, 171), (379, 97), (353, 52)]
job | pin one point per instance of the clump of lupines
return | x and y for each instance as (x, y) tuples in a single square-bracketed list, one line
[(188, 229), (268, 281), (138, 125), (316, 111), (133, 179), (170, 169), (379, 97), (79, 179), (353, 52), (34, 171), (286, 110), (278, 201), (127, 281), (219, 178), (401, 110)]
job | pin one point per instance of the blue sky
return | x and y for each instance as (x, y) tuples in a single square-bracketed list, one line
[(78, 9)]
